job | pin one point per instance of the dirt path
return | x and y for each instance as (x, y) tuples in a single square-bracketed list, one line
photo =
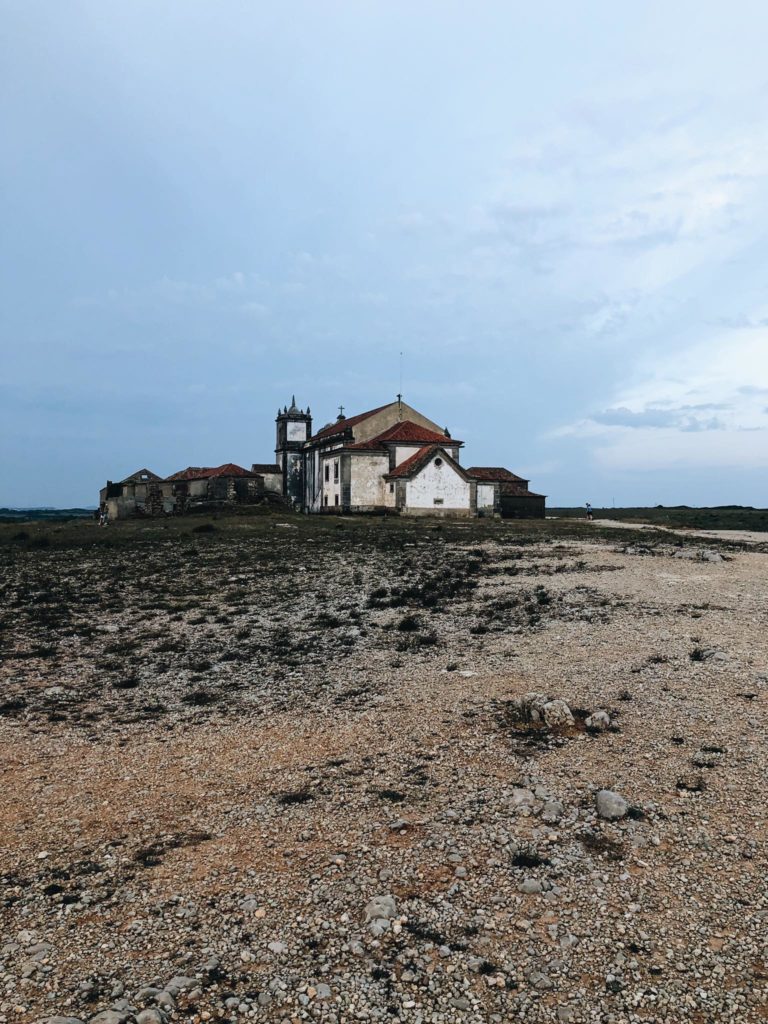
[(738, 536)]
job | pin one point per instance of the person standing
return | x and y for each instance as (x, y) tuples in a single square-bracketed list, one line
[(589, 512)]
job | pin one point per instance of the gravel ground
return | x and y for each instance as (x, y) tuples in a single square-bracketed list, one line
[(360, 775)]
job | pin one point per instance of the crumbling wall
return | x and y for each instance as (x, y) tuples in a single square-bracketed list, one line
[(369, 489), (294, 478)]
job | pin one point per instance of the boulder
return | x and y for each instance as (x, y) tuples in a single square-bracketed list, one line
[(379, 912), (181, 983), (610, 806), (529, 886), (557, 714), (529, 706), (552, 811), (151, 1016), (599, 721), (60, 1020), (522, 797)]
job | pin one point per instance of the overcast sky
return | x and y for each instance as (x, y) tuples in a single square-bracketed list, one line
[(558, 211)]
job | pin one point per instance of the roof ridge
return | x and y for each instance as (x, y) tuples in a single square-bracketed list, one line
[(349, 421)]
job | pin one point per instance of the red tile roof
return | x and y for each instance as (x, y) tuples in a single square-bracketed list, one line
[(412, 463), (190, 473), (494, 474), (420, 458), (409, 432), (209, 473), (229, 469), (349, 421), (406, 432)]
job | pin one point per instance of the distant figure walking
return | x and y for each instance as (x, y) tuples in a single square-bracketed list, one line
[(589, 511)]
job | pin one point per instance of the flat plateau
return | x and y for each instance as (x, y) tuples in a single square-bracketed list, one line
[(219, 742)]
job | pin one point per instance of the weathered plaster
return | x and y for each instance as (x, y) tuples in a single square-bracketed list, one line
[(439, 486)]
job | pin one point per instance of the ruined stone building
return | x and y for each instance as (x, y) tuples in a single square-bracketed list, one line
[(194, 488), (392, 459)]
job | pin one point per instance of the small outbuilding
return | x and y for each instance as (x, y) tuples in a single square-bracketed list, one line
[(501, 492)]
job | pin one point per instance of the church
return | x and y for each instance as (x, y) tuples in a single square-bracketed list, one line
[(391, 459)]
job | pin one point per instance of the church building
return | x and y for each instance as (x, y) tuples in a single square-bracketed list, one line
[(390, 459)]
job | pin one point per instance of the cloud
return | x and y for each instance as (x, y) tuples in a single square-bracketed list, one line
[(255, 309), (741, 322), (631, 192), (653, 424), (685, 417)]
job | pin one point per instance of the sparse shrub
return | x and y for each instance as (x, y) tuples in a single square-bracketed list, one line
[(529, 857), (409, 624), (301, 796), (127, 683), (199, 698)]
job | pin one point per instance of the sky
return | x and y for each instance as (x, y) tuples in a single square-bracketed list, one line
[(557, 212)]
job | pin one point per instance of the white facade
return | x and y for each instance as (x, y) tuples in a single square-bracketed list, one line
[(330, 482), (368, 488), (438, 485), (485, 496), (296, 431)]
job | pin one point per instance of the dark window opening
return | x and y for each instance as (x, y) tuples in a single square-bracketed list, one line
[(335, 499), (327, 472), (336, 471)]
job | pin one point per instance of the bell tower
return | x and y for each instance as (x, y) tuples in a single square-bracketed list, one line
[(293, 429)]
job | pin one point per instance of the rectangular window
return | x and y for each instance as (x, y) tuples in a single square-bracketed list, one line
[(391, 488), (335, 471), (327, 472), (325, 500), (335, 499), (438, 501)]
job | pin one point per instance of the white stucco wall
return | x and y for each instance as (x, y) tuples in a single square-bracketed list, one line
[(405, 451), (437, 482), (485, 495), (296, 432), (390, 494), (367, 484), (331, 488)]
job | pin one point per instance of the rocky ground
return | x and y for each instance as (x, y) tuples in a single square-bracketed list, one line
[(376, 771)]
